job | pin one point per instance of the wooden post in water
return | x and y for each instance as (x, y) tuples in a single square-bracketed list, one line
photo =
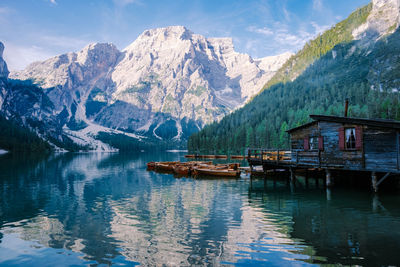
[(329, 180), (374, 181), (375, 203), (328, 194), (306, 178), (292, 175)]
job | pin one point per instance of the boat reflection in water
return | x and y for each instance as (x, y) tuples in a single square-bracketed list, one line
[(107, 209)]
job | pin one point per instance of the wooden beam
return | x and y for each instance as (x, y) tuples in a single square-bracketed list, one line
[(329, 181), (374, 181), (383, 178), (292, 175)]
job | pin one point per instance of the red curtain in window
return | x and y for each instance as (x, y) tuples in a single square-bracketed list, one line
[(321, 143), (306, 144), (341, 138), (359, 138)]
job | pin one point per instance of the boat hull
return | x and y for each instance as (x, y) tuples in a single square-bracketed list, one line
[(217, 172), (181, 170), (165, 166)]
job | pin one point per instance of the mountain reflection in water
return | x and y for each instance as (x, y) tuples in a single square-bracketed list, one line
[(89, 209)]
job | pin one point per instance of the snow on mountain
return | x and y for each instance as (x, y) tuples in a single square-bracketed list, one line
[(383, 19), (168, 83)]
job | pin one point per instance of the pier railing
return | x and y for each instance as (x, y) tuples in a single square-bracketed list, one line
[(284, 157), (269, 155)]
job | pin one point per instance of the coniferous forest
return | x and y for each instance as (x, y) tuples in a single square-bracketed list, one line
[(14, 137)]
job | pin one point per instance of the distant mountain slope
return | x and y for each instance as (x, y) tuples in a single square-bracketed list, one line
[(18, 132), (166, 85), (366, 70)]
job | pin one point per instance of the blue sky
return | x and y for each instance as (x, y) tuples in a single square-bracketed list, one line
[(38, 29)]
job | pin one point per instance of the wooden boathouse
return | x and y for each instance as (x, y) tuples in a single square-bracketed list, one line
[(338, 144)]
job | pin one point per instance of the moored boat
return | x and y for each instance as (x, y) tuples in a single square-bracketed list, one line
[(216, 172), (221, 156), (190, 156), (182, 169), (237, 157), (166, 166)]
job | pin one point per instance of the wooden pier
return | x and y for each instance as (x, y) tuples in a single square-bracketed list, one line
[(337, 145)]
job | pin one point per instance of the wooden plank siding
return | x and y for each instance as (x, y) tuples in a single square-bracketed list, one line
[(380, 148), (332, 156)]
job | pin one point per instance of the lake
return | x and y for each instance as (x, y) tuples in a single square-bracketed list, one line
[(107, 209)]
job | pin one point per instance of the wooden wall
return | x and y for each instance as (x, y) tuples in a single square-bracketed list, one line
[(332, 155), (310, 157), (381, 148)]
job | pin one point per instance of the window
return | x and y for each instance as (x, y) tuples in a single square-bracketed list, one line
[(350, 138), (313, 143)]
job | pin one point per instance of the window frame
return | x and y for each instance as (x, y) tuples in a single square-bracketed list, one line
[(346, 148)]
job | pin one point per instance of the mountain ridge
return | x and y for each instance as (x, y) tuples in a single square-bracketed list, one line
[(165, 85)]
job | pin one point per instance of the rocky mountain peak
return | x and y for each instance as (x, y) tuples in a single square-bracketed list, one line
[(161, 37), (384, 18), (3, 65), (174, 32), (97, 53)]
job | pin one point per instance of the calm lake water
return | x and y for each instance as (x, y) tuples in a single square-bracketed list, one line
[(106, 209)]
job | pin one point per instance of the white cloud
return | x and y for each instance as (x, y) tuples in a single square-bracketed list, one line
[(126, 2), (319, 28), (53, 2), (18, 57), (5, 11), (318, 5), (264, 31), (287, 14), (280, 37), (64, 42)]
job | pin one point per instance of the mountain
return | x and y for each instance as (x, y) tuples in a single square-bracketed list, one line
[(164, 86), (357, 59), (3, 65), (24, 110)]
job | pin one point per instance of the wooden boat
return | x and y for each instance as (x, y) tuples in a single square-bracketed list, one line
[(233, 166), (208, 156), (151, 165), (190, 156), (216, 172), (182, 169), (221, 156), (237, 157), (166, 166)]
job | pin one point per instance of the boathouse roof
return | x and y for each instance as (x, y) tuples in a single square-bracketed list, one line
[(393, 124)]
